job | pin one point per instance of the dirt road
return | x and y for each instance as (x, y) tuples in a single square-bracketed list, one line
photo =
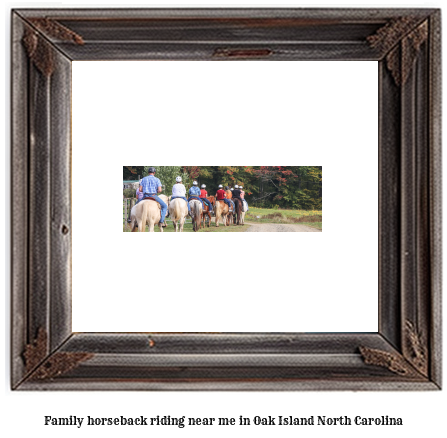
[(295, 228)]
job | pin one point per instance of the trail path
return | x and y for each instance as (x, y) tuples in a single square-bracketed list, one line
[(281, 228), (274, 228)]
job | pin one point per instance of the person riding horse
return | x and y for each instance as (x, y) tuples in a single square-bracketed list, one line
[(237, 193), (194, 193), (229, 193), (138, 194), (150, 186), (179, 191), (203, 195), (222, 196)]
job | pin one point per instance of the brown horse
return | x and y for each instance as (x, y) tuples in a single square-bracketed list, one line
[(206, 211), (238, 212)]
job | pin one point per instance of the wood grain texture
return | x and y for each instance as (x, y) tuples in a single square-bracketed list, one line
[(39, 201), (435, 196), (60, 201), (19, 204), (409, 336), (390, 236)]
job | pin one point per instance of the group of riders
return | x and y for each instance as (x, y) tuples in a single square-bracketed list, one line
[(151, 186)]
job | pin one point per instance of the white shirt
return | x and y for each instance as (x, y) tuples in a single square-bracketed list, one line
[(178, 190)]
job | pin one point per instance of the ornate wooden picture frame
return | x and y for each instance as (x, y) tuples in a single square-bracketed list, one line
[(405, 353)]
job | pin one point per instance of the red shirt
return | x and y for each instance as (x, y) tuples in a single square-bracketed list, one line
[(203, 193), (221, 194)]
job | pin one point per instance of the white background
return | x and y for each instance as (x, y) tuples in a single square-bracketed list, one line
[(257, 113), (22, 413)]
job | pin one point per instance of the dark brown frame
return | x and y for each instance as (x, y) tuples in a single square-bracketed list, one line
[(405, 354)]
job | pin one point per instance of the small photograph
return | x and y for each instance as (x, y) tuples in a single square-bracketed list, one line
[(222, 199)]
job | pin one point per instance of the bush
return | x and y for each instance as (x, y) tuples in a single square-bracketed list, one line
[(296, 220), (129, 193), (273, 216)]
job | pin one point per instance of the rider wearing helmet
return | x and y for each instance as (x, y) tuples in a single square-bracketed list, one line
[(230, 196), (179, 191), (222, 196), (203, 195), (151, 187), (194, 193), (237, 193)]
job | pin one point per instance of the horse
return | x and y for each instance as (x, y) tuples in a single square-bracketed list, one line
[(230, 218), (206, 212), (222, 210), (178, 210), (196, 213), (238, 210), (244, 210), (146, 212)]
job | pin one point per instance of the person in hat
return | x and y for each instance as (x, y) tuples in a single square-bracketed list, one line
[(194, 193), (203, 195), (150, 187), (237, 193), (179, 191), (222, 196)]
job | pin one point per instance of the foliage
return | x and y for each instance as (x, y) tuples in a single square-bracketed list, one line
[(132, 172), (167, 176), (129, 193), (192, 171), (290, 187)]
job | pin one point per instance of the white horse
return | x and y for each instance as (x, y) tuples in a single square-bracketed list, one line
[(196, 213), (244, 210), (146, 212), (178, 210)]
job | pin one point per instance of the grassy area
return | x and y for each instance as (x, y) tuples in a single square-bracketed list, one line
[(312, 218), (258, 215)]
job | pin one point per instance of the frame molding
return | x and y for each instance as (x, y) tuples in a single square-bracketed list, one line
[(406, 352)]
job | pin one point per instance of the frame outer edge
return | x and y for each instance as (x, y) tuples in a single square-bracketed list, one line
[(349, 13), (30, 319), (19, 197), (435, 139)]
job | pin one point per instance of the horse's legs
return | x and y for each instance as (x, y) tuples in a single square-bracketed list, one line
[(141, 228), (151, 226), (133, 225), (217, 219)]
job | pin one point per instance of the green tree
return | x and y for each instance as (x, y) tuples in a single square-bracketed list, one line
[(167, 175), (297, 187)]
